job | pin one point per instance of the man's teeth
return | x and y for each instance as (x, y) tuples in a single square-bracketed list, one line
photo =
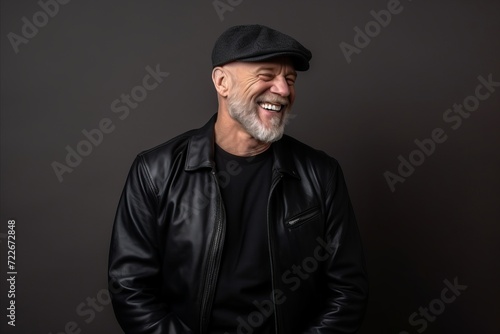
[(270, 106)]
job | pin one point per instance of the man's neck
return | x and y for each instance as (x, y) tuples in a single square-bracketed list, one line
[(232, 138)]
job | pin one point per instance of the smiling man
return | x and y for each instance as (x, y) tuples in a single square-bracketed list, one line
[(254, 104), (236, 227)]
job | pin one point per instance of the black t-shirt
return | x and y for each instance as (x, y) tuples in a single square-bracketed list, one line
[(243, 299)]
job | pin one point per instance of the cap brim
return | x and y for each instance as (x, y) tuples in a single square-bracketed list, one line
[(300, 63)]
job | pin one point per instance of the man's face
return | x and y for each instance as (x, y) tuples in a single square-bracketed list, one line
[(261, 96)]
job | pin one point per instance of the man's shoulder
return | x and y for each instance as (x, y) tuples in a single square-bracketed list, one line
[(170, 147), (177, 145), (158, 162)]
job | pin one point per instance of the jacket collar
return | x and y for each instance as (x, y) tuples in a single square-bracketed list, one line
[(200, 151), (283, 158)]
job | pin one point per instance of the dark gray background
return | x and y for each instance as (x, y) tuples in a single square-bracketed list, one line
[(441, 223)]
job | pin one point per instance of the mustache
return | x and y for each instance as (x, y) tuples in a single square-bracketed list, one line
[(272, 98)]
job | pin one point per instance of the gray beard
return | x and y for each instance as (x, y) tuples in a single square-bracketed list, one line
[(248, 117)]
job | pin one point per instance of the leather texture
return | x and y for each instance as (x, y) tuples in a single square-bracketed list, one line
[(168, 237)]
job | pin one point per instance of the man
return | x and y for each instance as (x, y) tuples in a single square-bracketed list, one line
[(235, 227)]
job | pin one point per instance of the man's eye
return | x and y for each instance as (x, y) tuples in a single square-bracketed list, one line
[(266, 77), (290, 81)]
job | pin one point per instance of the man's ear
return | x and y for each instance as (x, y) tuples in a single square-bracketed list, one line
[(221, 81)]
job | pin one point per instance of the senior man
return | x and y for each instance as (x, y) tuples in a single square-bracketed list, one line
[(236, 227)]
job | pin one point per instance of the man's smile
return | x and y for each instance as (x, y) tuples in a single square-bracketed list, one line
[(271, 106)]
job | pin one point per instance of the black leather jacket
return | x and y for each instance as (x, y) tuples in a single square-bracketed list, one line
[(168, 237)]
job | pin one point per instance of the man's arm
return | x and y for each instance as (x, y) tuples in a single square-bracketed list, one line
[(346, 278), (134, 262)]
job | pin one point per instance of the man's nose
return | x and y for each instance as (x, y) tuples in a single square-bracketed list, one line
[(280, 86)]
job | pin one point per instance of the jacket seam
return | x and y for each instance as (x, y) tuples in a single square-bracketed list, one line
[(149, 179)]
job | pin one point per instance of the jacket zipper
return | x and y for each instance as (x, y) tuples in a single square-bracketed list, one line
[(270, 232), (213, 262), (303, 217)]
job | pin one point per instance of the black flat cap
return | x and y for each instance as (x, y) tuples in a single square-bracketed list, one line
[(256, 43)]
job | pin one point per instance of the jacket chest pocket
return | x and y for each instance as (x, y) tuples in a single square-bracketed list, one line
[(306, 216)]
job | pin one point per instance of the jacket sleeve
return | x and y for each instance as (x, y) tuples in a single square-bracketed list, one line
[(134, 261), (346, 277)]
